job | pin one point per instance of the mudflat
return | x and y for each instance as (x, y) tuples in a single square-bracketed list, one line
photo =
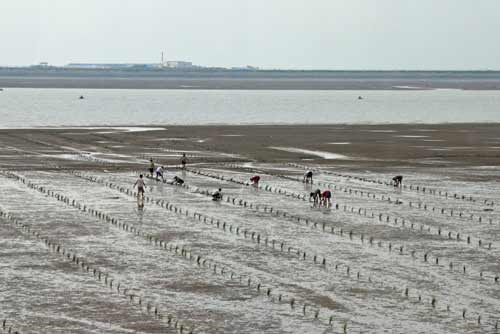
[(355, 146), (82, 253)]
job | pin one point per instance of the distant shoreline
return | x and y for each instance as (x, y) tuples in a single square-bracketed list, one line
[(163, 126), (248, 80)]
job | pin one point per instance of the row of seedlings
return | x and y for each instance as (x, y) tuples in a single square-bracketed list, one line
[(417, 297), (101, 276), (255, 237), (452, 235), (417, 188), (215, 267), (426, 257), (382, 218), (302, 254), (8, 328), (371, 195)]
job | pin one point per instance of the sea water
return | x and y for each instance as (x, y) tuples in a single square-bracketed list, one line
[(28, 107)]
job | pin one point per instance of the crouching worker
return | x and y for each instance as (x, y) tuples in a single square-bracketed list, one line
[(326, 197), (254, 180), (217, 196), (315, 197), (178, 180), (308, 177), (159, 173), (397, 181)]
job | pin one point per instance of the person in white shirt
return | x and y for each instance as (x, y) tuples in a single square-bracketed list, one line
[(159, 172), (141, 186)]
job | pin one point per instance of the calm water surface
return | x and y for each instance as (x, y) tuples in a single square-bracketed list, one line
[(26, 107)]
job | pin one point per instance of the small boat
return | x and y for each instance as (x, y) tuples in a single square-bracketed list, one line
[(1, 89), (360, 97), (81, 97)]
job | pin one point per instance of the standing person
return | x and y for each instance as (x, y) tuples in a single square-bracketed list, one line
[(398, 181), (308, 176), (326, 198), (151, 167), (141, 186), (159, 173), (255, 180), (183, 160)]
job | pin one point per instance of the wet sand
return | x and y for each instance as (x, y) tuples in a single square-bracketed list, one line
[(80, 256), (363, 146)]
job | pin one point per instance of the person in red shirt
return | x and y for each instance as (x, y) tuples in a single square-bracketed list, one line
[(326, 196), (255, 180)]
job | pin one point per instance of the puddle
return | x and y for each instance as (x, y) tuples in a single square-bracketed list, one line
[(114, 128), (440, 149), (409, 87), (322, 154), (424, 130), (411, 136)]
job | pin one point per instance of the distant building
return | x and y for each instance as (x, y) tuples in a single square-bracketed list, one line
[(116, 66), (121, 66), (42, 64), (178, 64), (245, 68)]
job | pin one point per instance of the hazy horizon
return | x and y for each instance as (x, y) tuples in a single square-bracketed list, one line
[(321, 35), (36, 66)]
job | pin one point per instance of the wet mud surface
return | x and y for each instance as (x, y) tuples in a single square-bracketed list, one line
[(78, 255)]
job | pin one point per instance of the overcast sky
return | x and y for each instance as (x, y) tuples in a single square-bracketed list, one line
[(305, 34)]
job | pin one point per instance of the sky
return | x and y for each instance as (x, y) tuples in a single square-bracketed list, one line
[(285, 34)]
